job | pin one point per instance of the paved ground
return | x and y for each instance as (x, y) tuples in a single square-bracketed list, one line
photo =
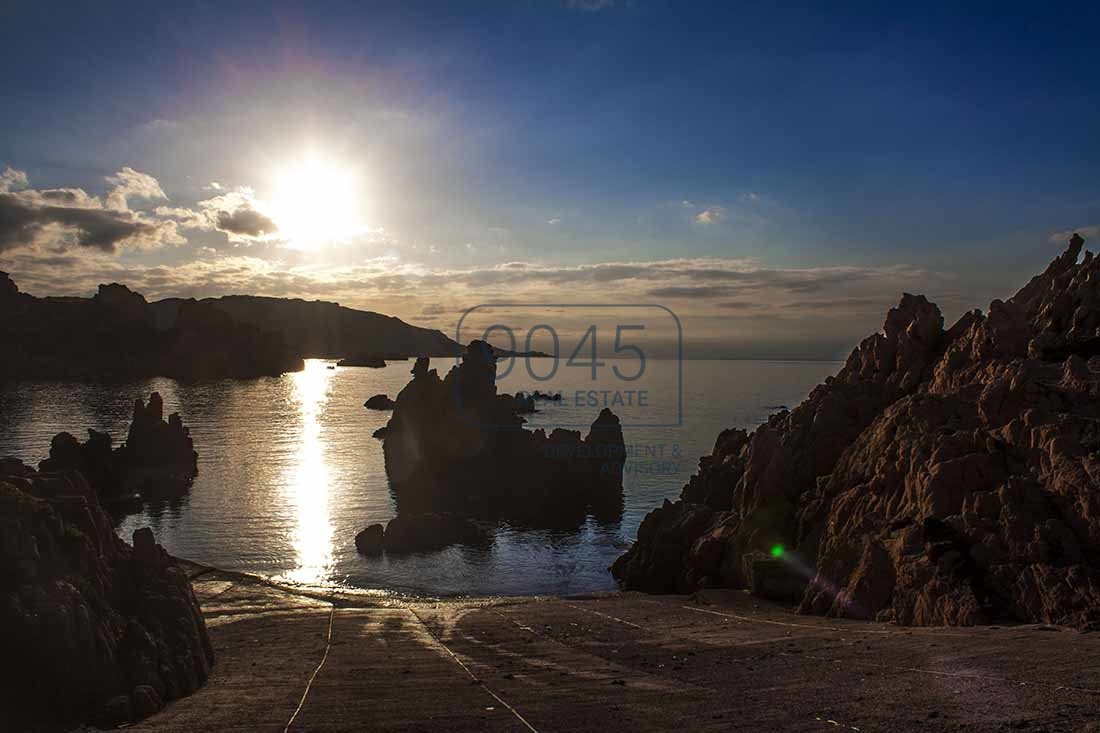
[(725, 661)]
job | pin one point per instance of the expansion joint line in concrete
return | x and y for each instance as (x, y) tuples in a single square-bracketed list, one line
[(469, 672), (312, 677), (608, 616)]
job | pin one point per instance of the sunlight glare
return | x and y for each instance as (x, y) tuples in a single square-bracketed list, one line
[(310, 480), (316, 201)]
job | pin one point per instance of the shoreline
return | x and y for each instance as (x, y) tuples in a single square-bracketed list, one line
[(302, 659)]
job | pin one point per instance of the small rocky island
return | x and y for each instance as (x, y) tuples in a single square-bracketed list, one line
[(158, 458), (455, 445), (942, 477)]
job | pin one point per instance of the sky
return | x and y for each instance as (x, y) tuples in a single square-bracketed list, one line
[(777, 177)]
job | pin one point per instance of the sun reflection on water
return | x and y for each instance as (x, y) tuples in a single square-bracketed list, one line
[(308, 482)]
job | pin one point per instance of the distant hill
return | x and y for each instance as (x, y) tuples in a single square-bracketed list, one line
[(118, 334), (321, 329)]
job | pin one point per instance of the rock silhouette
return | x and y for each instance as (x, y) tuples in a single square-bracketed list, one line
[(419, 533), (379, 402), (117, 334), (941, 477), (100, 631), (455, 445), (362, 360), (328, 330), (158, 457)]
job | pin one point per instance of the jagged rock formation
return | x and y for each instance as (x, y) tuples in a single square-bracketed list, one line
[(117, 334), (94, 629), (419, 533), (455, 445), (157, 459), (942, 477)]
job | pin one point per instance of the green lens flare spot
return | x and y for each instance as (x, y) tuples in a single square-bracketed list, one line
[(777, 551)]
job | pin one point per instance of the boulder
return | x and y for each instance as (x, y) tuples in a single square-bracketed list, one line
[(379, 402), (430, 531), (369, 541), (419, 533), (941, 477)]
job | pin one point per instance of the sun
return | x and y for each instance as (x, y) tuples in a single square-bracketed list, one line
[(316, 201)]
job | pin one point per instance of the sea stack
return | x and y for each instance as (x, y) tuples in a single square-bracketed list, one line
[(455, 445)]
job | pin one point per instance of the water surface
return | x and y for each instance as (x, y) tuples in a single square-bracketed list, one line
[(289, 472)]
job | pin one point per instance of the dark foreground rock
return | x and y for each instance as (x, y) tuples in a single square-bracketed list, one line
[(157, 459), (92, 628), (455, 445), (419, 533), (942, 477)]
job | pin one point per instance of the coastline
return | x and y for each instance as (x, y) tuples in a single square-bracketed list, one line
[(292, 658)]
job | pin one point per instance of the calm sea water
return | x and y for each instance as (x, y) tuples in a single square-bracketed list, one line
[(289, 472)]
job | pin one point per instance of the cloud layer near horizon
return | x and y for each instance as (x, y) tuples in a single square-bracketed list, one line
[(65, 241)]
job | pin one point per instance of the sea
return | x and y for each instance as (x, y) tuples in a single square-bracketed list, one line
[(289, 471)]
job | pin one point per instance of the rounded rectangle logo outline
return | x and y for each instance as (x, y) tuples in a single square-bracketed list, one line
[(679, 353)]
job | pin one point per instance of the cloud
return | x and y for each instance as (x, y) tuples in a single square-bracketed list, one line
[(131, 183), (834, 304), (66, 218), (710, 215), (245, 221), (234, 213), (553, 221), (12, 180)]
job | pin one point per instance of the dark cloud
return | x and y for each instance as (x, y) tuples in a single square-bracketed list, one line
[(246, 222), (24, 223)]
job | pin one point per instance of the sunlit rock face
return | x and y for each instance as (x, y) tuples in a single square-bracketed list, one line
[(942, 477), (455, 445), (92, 628)]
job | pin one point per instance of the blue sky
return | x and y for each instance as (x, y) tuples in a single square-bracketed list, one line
[(863, 148)]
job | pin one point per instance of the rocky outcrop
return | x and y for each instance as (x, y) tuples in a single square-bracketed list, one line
[(943, 476), (419, 533), (95, 630), (117, 334), (455, 445), (329, 330), (379, 402), (158, 457)]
